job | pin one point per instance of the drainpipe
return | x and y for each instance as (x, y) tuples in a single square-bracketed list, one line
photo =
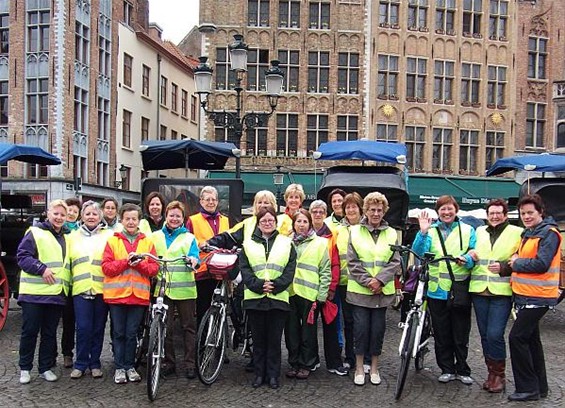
[(158, 133)]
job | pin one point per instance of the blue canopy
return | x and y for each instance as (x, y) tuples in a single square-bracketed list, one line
[(186, 154), (362, 150), (544, 162), (28, 154)]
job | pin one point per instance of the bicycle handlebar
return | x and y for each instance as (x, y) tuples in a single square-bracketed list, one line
[(427, 258), (212, 248), (161, 260)]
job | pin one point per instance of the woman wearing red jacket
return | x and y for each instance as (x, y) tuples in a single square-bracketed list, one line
[(127, 288)]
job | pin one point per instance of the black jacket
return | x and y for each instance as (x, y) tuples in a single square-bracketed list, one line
[(253, 283)]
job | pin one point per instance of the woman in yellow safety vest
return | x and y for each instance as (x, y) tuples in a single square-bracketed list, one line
[(44, 284), (310, 285), (490, 286), (353, 209), (293, 197), (85, 256), (534, 281), (154, 216), (267, 263), (127, 289), (370, 287), (451, 324), (173, 241)]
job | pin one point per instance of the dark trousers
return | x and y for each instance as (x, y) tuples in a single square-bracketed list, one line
[(451, 326), (347, 314), (125, 323), (39, 318), (187, 317), (205, 289), (332, 351), (301, 338), (492, 314), (68, 336), (267, 329), (91, 316), (526, 352), (369, 330)]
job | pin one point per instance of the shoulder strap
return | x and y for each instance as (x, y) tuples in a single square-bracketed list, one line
[(441, 241)]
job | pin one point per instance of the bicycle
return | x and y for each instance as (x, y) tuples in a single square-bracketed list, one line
[(158, 325), (212, 335), (416, 329)]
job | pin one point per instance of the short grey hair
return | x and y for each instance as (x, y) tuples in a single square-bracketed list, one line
[(93, 204), (208, 190), (319, 204)]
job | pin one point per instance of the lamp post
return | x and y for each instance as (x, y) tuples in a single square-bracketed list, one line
[(123, 175), (234, 120), (278, 180)]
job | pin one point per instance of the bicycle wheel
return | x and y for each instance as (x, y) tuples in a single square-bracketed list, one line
[(154, 355), (210, 347), (424, 339), (405, 355)]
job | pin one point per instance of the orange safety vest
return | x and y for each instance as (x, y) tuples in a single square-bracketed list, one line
[(539, 285), (129, 281), (203, 232)]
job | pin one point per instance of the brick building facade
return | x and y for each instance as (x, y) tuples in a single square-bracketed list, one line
[(461, 82)]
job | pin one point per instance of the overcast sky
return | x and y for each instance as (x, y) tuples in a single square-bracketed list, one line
[(175, 17)]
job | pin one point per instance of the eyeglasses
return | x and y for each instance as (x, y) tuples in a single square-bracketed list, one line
[(317, 212), (209, 200), (266, 222)]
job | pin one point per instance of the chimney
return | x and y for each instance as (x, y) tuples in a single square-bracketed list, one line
[(155, 31)]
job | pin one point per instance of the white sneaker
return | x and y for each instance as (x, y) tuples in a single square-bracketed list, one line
[(445, 378), (465, 379), (49, 376), (375, 378), (359, 379), (25, 378), (366, 368), (133, 376), (120, 376)]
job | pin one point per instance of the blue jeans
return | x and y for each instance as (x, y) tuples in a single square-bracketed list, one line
[(36, 318), (125, 322), (91, 315), (492, 314)]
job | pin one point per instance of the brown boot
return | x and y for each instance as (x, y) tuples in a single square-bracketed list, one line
[(498, 383), (488, 382)]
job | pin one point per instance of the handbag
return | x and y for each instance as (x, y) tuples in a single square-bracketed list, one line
[(458, 296)]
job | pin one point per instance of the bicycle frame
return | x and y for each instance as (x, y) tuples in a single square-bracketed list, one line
[(219, 301)]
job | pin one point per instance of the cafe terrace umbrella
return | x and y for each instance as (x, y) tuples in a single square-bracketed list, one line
[(186, 154)]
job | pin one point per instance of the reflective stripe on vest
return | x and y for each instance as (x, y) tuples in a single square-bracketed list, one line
[(373, 256), (439, 274), (86, 261), (504, 247), (203, 232), (50, 254), (539, 285), (180, 279), (306, 281), (270, 268), (130, 281), (342, 242)]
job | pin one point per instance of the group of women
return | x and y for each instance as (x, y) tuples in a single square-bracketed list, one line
[(295, 267)]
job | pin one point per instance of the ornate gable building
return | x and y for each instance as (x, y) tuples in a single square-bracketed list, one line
[(461, 82)]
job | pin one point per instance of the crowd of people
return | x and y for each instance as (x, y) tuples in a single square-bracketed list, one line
[(81, 265)]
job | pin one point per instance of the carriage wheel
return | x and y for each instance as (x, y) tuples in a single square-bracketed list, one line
[(4, 296)]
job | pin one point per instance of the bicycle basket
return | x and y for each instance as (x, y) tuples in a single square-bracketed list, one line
[(411, 281), (221, 263)]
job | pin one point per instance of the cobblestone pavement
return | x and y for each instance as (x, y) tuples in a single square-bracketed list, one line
[(322, 389)]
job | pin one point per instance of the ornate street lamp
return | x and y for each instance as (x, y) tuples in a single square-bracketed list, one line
[(278, 180), (234, 120), (123, 175)]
